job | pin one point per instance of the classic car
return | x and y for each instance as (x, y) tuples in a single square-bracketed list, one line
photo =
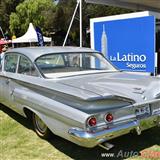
[(77, 94)]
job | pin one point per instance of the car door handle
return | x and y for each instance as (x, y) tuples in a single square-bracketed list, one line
[(7, 81)]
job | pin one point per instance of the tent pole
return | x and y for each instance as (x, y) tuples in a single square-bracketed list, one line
[(71, 23), (80, 23)]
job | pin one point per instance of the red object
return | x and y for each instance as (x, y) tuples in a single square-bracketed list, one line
[(109, 117), (92, 121), (0, 49), (3, 42)]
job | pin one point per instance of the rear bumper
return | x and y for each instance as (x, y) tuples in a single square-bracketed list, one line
[(89, 139)]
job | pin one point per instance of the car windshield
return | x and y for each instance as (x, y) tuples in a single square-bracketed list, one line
[(67, 63)]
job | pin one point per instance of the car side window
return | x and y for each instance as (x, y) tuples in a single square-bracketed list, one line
[(26, 67), (10, 63)]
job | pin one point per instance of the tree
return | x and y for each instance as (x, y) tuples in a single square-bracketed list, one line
[(56, 18), (6, 7), (39, 12), (65, 11), (93, 11), (62, 18)]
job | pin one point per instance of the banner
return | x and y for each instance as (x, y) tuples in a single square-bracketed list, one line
[(128, 43), (40, 36)]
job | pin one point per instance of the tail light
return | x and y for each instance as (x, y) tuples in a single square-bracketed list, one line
[(109, 117), (92, 121)]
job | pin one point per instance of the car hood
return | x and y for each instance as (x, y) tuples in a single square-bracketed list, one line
[(134, 87)]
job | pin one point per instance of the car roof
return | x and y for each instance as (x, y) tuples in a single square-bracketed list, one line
[(34, 52)]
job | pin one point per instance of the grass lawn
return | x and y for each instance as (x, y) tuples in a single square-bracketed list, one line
[(19, 142)]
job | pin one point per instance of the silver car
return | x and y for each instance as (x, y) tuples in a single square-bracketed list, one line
[(77, 94)]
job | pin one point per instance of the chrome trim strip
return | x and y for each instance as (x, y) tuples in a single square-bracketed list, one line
[(78, 133), (147, 102), (91, 139)]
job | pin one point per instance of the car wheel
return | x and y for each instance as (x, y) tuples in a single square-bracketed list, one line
[(40, 127)]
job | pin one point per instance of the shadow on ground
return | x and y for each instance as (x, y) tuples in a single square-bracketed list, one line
[(125, 145)]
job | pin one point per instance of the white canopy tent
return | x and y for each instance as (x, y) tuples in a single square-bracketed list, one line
[(30, 36)]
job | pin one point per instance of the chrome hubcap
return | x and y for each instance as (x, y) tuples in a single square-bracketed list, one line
[(40, 125)]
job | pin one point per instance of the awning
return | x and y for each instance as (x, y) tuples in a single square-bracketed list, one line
[(151, 5)]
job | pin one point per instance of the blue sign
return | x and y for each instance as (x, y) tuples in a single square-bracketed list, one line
[(40, 36), (128, 43)]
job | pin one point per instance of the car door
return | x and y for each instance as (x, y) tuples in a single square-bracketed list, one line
[(16, 65), (1, 78), (8, 83)]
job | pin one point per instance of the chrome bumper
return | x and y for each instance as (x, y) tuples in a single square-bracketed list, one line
[(90, 139)]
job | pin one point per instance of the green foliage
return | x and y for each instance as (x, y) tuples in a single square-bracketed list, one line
[(65, 11), (6, 7), (17, 14), (39, 12)]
